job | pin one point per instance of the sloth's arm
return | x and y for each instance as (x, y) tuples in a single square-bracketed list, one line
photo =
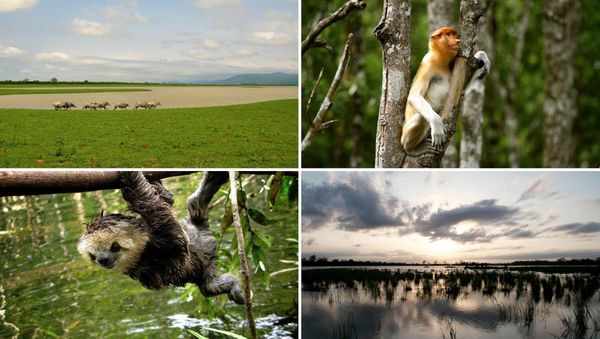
[(144, 199)]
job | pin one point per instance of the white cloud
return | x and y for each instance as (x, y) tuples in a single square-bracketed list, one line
[(245, 53), (86, 27), (14, 5), (217, 4), (53, 57), (10, 52), (124, 13), (197, 54), (272, 38), (209, 43)]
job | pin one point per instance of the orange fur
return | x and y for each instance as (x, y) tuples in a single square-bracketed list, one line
[(425, 99)]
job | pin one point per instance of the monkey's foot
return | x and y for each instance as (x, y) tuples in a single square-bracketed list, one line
[(425, 147)]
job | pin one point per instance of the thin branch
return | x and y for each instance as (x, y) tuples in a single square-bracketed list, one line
[(316, 125), (242, 254), (312, 94), (341, 13)]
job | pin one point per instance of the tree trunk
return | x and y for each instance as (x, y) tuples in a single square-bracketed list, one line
[(560, 25), (440, 13), (393, 32), (472, 109), (464, 65)]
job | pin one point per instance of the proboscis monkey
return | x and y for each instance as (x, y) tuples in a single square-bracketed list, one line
[(429, 91)]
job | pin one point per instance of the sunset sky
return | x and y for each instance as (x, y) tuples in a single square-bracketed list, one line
[(125, 40), (449, 216)]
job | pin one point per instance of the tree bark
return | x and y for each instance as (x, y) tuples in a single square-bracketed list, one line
[(50, 182), (440, 13), (393, 32), (472, 109), (560, 25)]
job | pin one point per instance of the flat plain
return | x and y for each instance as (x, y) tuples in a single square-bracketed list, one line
[(213, 126), (168, 96)]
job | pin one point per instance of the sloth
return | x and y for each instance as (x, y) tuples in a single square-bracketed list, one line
[(154, 247)]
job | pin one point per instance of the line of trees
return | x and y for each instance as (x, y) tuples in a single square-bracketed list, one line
[(313, 261)]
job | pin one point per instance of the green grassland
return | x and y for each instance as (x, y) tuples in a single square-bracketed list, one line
[(263, 134), (16, 90)]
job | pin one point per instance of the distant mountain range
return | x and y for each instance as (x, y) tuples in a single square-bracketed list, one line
[(278, 78)]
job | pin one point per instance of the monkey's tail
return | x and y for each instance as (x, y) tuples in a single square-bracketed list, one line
[(199, 201)]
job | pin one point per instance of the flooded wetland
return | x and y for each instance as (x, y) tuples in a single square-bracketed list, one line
[(422, 302)]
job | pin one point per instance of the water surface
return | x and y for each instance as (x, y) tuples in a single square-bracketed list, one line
[(437, 302)]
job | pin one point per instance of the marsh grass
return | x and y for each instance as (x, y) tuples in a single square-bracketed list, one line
[(263, 134), (447, 323)]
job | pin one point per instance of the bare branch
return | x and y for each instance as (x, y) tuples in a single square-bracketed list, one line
[(312, 94), (317, 124), (33, 182), (341, 13), (49, 182)]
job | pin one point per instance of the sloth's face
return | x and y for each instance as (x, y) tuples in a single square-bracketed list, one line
[(114, 242)]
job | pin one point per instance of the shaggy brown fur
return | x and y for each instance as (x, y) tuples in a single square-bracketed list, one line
[(155, 248)]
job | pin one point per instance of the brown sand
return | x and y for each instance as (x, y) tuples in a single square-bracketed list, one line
[(168, 96)]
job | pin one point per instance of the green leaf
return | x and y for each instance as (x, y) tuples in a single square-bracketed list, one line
[(227, 219), (259, 218), (261, 240), (275, 187), (197, 335), (293, 190), (231, 334)]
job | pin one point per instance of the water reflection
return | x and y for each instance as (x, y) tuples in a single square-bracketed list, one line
[(51, 291), (419, 303)]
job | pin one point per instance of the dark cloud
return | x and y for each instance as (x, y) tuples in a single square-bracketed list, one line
[(531, 191), (537, 190), (357, 205), (309, 241), (516, 233), (578, 228), (441, 223)]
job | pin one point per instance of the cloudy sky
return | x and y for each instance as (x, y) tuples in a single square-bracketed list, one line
[(480, 215), (159, 40)]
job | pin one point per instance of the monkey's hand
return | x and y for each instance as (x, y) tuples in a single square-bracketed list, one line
[(437, 131), (483, 65)]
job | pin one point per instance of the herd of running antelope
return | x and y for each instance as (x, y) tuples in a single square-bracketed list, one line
[(65, 105)]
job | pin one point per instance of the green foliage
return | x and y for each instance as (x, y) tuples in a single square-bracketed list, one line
[(230, 334), (252, 135), (334, 147)]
